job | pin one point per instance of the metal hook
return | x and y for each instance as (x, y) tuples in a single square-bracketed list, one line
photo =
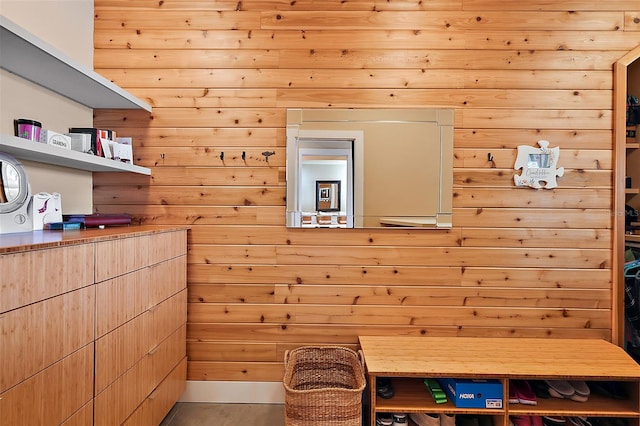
[(268, 154), (490, 159), (244, 156), (222, 156)]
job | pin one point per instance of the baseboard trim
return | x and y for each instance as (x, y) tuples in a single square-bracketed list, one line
[(233, 392)]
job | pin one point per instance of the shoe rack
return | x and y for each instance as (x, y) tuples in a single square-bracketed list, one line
[(409, 360)]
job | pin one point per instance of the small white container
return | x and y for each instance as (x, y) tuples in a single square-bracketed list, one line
[(56, 139)]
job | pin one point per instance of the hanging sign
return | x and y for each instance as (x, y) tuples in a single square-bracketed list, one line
[(538, 165)]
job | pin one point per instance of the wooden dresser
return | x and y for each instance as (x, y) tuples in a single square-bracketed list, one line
[(92, 326)]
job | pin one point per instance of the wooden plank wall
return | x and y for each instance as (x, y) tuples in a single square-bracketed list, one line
[(220, 75)]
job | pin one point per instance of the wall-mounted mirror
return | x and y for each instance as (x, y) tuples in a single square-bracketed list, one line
[(15, 196), (380, 168)]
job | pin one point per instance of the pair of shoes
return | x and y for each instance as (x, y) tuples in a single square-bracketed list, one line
[(384, 419), (554, 421), (435, 390), (608, 421), (384, 389), (577, 421), (565, 421), (400, 419), (576, 390), (520, 392), (433, 419), (425, 419), (473, 420), (526, 420), (395, 419), (581, 389), (609, 389), (540, 388), (468, 420)]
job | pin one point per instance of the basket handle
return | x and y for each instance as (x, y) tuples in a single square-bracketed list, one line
[(286, 357), (361, 358)]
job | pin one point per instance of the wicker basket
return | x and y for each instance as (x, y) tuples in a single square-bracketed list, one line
[(323, 386)]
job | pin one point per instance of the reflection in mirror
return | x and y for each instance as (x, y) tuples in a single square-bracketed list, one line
[(9, 183), (390, 167), (15, 196), (328, 195)]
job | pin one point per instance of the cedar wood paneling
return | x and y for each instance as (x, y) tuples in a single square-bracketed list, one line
[(220, 75)]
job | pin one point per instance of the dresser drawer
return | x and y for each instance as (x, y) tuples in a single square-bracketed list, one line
[(53, 395), (40, 274), (37, 335), (167, 245), (122, 397), (121, 348), (121, 299), (157, 405), (167, 279)]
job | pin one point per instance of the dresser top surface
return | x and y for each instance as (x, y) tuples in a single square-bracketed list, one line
[(25, 241)]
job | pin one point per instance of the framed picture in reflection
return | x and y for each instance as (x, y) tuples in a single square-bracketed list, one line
[(328, 195)]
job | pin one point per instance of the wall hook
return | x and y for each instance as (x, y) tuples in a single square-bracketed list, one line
[(244, 156), (268, 154), (222, 156), (490, 159)]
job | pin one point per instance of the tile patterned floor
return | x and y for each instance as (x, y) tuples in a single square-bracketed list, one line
[(208, 414)]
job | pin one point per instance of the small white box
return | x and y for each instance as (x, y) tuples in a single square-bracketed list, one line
[(56, 139), (80, 142)]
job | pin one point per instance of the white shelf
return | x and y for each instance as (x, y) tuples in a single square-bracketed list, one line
[(24, 149), (33, 59)]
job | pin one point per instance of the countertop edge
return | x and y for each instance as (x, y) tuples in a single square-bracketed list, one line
[(38, 240)]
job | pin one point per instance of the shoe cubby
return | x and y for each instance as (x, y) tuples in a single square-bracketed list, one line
[(596, 405), (466, 420), (412, 396), (597, 363)]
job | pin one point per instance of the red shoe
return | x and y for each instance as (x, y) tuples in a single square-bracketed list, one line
[(521, 420), (523, 392), (513, 397)]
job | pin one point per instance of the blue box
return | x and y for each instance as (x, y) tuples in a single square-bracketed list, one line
[(474, 393)]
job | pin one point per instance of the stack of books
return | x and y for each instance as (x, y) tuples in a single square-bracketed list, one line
[(96, 220)]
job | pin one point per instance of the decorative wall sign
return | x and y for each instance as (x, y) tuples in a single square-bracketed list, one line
[(538, 165)]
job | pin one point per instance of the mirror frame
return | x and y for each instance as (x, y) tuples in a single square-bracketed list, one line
[(23, 191)]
